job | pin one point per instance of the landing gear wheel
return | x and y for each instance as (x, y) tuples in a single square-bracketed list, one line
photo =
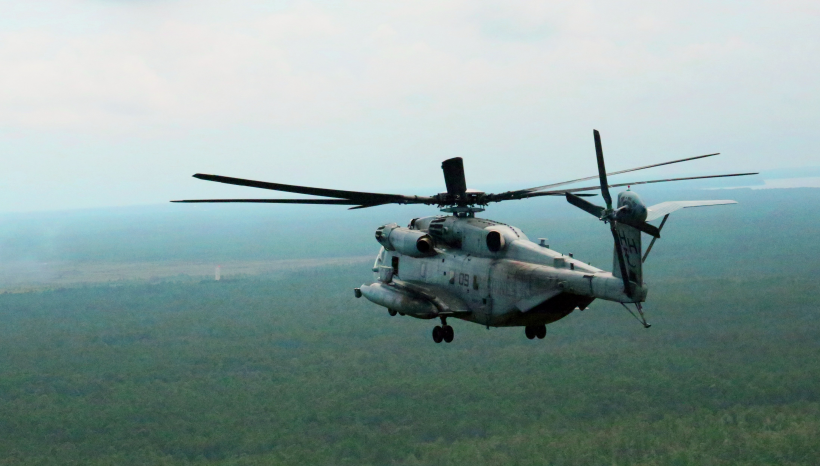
[(540, 331), (438, 334), (530, 332), (392, 312), (448, 333)]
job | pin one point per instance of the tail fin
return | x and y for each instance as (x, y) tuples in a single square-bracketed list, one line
[(630, 244), (630, 238), (665, 208)]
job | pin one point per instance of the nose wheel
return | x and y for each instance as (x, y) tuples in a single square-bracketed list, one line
[(535, 331)]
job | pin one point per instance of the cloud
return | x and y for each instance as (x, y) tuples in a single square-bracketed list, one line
[(126, 90), (310, 64)]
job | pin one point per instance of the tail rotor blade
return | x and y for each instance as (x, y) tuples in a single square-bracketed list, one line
[(647, 228), (454, 176), (599, 152), (621, 263), (585, 205)]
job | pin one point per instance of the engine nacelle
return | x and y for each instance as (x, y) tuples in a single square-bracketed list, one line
[(474, 236), (495, 241), (412, 243), (631, 206)]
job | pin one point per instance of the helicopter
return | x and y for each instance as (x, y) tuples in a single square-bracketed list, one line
[(478, 270)]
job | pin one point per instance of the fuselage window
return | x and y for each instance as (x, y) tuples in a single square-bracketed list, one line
[(475, 282), (396, 265)]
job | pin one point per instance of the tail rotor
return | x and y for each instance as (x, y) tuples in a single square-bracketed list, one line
[(612, 216)]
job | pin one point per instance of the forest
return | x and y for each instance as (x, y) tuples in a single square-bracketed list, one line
[(284, 366)]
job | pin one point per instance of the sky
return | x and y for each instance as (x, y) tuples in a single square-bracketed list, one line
[(118, 102)]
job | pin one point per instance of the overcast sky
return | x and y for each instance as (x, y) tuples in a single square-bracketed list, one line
[(119, 102)]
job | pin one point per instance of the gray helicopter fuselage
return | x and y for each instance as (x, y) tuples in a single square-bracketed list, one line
[(485, 272)]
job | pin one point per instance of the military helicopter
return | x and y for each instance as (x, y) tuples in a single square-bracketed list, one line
[(490, 273)]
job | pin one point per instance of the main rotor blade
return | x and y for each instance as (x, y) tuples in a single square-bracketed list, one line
[(585, 205), (364, 206), (561, 193), (590, 188), (599, 153), (360, 197), (553, 185), (514, 194), (277, 201), (454, 176)]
